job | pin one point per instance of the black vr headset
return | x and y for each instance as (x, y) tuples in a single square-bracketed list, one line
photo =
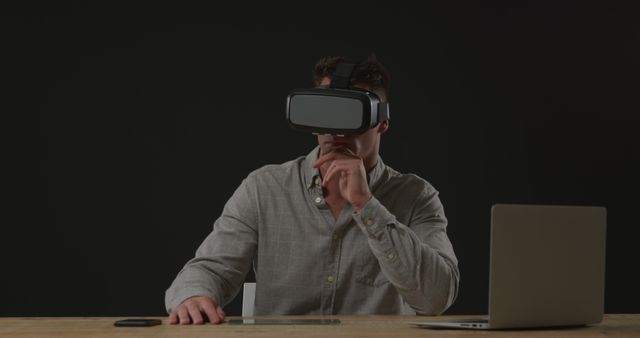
[(339, 109)]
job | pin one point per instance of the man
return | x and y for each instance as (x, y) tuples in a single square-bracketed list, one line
[(334, 232)]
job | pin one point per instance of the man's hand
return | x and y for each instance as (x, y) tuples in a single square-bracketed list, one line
[(192, 309), (347, 168)]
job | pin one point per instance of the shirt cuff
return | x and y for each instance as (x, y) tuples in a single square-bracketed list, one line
[(373, 218)]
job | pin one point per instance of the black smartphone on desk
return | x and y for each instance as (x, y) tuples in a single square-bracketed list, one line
[(136, 322)]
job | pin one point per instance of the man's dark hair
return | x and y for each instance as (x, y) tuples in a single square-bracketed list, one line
[(369, 71)]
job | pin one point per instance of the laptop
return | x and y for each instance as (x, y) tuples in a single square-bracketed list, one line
[(546, 268)]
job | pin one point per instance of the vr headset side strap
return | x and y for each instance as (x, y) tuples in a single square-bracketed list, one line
[(383, 111), (342, 75)]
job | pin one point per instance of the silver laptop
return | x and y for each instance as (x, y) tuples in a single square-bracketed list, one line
[(546, 268)]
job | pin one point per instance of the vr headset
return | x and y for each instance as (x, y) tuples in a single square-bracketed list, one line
[(339, 109)]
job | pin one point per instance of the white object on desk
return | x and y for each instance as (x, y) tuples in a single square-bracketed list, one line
[(248, 299)]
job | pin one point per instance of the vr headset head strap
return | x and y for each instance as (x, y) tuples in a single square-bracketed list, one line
[(342, 75), (342, 79)]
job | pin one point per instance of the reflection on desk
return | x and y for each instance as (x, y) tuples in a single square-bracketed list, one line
[(622, 325)]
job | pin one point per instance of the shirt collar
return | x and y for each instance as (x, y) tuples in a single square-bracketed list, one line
[(312, 175)]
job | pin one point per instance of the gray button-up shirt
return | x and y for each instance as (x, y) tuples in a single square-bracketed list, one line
[(393, 251)]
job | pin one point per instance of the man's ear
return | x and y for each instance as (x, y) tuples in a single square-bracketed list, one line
[(383, 126)]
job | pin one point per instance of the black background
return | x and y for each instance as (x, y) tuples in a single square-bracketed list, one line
[(126, 130)]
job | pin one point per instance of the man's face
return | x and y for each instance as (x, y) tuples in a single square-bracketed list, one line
[(365, 145)]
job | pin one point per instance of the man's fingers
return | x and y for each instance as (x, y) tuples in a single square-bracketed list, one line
[(194, 312), (336, 168), (173, 317), (210, 310), (221, 313), (183, 314), (328, 173), (324, 158), (337, 153)]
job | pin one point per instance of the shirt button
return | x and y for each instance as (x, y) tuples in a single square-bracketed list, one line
[(318, 200), (330, 279), (390, 256), (335, 237), (369, 221)]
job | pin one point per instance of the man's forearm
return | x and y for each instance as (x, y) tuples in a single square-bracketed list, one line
[(423, 270)]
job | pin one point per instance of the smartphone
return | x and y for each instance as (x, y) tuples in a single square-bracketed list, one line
[(137, 322)]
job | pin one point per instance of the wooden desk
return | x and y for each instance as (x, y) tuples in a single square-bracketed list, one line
[(619, 325)]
